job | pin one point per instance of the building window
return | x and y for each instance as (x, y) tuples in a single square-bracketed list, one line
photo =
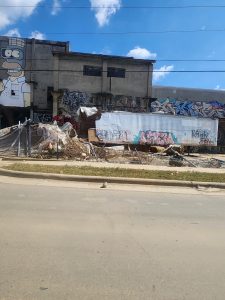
[(116, 72), (92, 71)]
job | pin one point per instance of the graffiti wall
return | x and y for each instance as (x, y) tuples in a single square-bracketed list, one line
[(152, 129), (120, 103), (156, 138), (213, 109), (42, 117), (71, 101), (114, 135), (14, 91)]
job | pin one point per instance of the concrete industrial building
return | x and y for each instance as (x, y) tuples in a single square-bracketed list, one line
[(108, 82), (39, 78)]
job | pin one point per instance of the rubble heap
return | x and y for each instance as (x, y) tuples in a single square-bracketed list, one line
[(75, 148)]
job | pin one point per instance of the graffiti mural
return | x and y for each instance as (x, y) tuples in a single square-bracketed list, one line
[(42, 117), (156, 129), (213, 109), (120, 103), (127, 103), (115, 135), (203, 135), (14, 91), (155, 138), (72, 101)]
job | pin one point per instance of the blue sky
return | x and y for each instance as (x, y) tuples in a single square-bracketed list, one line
[(55, 22)]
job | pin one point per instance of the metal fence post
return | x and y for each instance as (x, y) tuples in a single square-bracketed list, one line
[(19, 146), (29, 138)]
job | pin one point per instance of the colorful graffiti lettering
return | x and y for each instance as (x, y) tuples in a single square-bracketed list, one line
[(213, 109), (14, 91), (155, 138), (113, 135)]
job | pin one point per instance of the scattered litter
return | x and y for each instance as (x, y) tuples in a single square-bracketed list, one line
[(43, 288), (104, 185), (208, 189), (88, 111), (5, 131)]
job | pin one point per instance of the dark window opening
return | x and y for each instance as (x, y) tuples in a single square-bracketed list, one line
[(92, 71), (116, 72), (50, 98)]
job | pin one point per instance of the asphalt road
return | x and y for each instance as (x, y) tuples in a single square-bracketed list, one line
[(82, 242)]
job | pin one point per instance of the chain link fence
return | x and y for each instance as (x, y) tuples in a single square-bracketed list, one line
[(20, 140)]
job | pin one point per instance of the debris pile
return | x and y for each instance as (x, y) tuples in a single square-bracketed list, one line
[(108, 153), (49, 141), (74, 148), (52, 137), (6, 131)]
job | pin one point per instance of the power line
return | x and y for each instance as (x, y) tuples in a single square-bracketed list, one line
[(157, 60), (135, 32), (113, 7), (190, 60), (127, 71)]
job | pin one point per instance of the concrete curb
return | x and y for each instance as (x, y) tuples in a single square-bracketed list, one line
[(118, 180), (5, 158)]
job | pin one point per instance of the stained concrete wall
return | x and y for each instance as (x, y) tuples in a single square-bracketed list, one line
[(42, 65), (183, 94), (137, 81), (50, 65)]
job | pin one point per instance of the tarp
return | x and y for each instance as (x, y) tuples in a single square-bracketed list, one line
[(156, 129), (89, 111)]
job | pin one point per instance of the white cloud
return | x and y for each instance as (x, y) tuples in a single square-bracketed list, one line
[(10, 15), (56, 7), (13, 32), (37, 35), (218, 88), (141, 53), (106, 51), (104, 9), (162, 72)]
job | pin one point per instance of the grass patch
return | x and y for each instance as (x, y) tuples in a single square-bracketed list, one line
[(118, 172)]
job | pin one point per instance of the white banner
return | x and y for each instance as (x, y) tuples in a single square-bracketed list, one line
[(156, 129)]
